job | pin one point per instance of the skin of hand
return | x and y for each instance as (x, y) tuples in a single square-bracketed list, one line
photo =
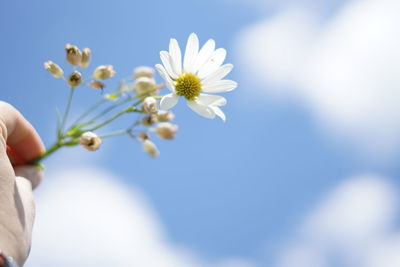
[(17, 206)]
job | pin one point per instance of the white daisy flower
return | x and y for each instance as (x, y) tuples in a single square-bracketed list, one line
[(201, 72)]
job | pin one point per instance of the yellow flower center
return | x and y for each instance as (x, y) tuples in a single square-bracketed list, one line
[(188, 85)]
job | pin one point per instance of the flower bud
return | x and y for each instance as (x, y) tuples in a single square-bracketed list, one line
[(166, 130), (143, 71), (54, 69), (143, 136), (74, 79), (150, 148), (74, 55), (144, 85), (165, 115), (149, 120), (150, 105), (85, 61), (103, 72), (90, 141), (97, 85)]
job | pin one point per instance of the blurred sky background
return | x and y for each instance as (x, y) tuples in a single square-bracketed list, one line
[(304, 173)]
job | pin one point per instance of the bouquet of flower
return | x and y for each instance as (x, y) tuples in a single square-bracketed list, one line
[(200, 72)]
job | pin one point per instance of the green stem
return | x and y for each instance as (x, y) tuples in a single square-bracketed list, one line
[(48, 152), (88, 111), (129, 109), (114, 133), (60, 143), (64, 120), (104, 112)]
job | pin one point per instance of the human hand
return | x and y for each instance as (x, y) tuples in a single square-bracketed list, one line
[(17, 207)]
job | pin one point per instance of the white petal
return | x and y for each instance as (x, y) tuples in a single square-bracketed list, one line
[(167, 62), (176, 56), (220, 86), (202, 110), (168, 101), (219, 74), (212, 100), (213, 63), (219, 112), (168, 81), (192, 49), (204, 54)]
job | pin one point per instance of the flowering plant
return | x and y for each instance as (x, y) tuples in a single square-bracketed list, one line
[(201, 72)]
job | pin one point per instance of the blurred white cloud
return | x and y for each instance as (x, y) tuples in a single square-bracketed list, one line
[(345, 68), (354, 225), (85, 217)]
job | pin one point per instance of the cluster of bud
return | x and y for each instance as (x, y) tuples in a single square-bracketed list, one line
[(164, 129), (143, 84), (159, 116), (76, 57)]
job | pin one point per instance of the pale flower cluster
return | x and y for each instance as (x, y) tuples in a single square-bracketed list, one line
[(76, 57)]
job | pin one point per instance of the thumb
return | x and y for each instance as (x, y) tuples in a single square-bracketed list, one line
[(32, 173)]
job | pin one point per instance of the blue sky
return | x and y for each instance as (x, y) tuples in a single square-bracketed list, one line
[(234, 189)]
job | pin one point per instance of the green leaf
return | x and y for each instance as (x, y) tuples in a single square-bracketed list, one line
[(58, 119), (76, 131)]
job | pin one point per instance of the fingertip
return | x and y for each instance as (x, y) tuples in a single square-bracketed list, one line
[(31, 173), (20, 135)]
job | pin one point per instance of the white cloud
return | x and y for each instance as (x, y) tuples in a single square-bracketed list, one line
[(85, 217), (364, 205), (353, 226), (285, 3), (346, 69), (385, 253)]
